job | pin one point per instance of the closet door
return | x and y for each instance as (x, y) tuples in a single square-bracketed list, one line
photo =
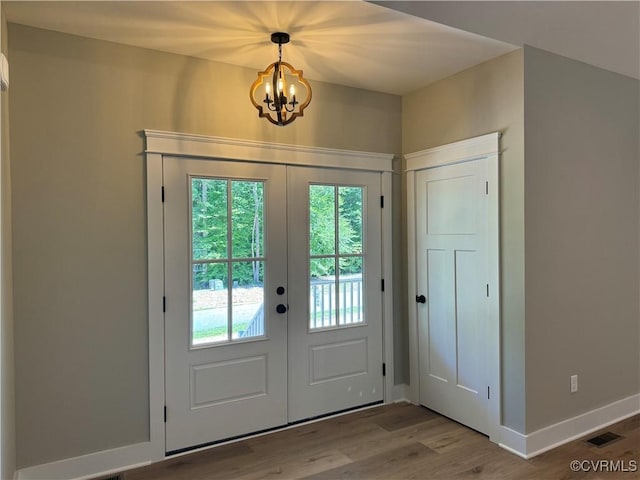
[(453, 291)]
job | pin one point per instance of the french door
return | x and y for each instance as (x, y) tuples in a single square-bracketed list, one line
[(225, 342), (335, 321), (273, 301)]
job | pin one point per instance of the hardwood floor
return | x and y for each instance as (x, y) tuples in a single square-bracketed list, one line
[(399, 441)]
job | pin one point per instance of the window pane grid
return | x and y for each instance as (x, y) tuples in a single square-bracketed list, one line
[(227, 218), (336, 288)]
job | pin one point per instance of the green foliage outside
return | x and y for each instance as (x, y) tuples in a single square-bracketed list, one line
[(210, 212), (322, 216)]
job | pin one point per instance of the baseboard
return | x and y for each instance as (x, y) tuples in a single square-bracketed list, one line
[(514, 442), (525, 446), (547, 438), (91, 465), (400, 393)]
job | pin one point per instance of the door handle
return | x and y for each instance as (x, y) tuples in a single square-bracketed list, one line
[(421, 299), (281, 308)]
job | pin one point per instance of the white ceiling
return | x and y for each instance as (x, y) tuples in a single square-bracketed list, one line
[(603, 33), (351, 43)]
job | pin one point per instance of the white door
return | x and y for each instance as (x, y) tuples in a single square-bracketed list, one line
[(225, 342), (335, 297), (273, 304), (452, 290)]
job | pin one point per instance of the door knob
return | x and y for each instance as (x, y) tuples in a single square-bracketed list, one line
[(280, 290), (421, 299), (281, 308)]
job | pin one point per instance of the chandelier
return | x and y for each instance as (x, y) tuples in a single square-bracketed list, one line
[(277, 107)]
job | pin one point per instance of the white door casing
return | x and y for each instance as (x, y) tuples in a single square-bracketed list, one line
[(453, 262), (161, 145)]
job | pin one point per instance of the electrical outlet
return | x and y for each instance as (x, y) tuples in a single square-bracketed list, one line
[(574, 383)]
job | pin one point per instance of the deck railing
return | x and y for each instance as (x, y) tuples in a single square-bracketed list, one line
[(324, 309), (327, 311), (256, 326)]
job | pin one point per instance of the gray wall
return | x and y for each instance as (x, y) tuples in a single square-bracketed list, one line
[(7, 405), (577, 198), (486, 98), (582, 213), (79, 216)]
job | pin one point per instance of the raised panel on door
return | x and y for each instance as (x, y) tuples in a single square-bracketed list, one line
[(225, 257), (451, 230), (335, 298)]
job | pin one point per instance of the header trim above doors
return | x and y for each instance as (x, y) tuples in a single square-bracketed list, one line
[(456, 152), (183, 144)]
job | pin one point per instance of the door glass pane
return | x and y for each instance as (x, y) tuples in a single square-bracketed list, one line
[(247, 309), (247, 214), (336, 297), (322, 287), (322, 219), (350, 226), (209, 218), (210, 303), (350, 291), (220, 314)]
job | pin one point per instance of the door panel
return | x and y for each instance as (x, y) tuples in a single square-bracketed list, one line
[(335, 300), (452, 271), (225, 256)]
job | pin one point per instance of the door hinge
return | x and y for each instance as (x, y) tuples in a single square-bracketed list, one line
[(488, 392), (487, 289), (381, 201), (165, 414), (164, 304), (384, 369), (486, 188), (382, 284), (162, 194)]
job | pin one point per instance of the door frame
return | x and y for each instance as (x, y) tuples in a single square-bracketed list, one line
[(159, 144), (482, 147)]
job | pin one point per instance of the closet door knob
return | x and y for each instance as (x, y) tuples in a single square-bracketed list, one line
[(421, 299)]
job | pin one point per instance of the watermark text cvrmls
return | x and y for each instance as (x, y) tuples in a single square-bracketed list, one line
[(620, 466)]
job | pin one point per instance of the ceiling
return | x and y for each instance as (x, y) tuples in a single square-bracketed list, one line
[(602, 33), (351, 43)]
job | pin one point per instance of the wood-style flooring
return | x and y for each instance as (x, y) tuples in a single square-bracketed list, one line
[(399, 441)]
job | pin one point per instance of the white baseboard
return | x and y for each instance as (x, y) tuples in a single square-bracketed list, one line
[(91, 465), (139, 455), (525, 446), (400, 393), (547, 438), (513, 441)]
